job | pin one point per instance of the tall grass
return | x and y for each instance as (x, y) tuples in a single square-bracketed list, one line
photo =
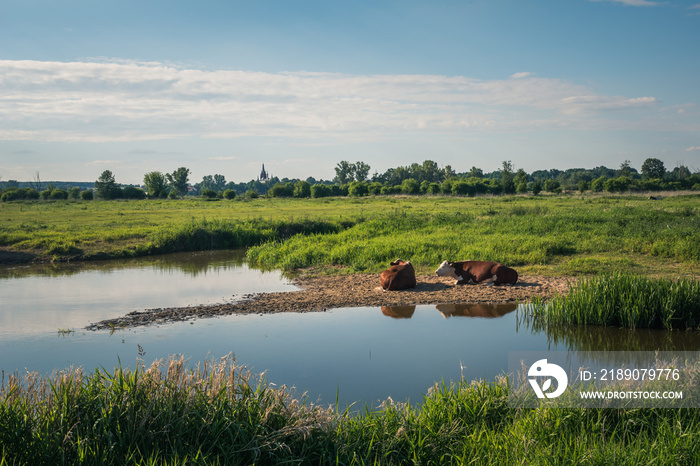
[(625, 300), (214, 412), (219, 413)]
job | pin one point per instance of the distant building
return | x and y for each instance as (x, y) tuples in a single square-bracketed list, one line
[(264, 176)]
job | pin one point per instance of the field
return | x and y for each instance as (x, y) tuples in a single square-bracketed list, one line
[(564, 235)]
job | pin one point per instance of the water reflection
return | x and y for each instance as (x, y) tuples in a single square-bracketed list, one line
[(599, 338), (190, 263), (399, 312), (475, 310), (46, 297), (454, 310)]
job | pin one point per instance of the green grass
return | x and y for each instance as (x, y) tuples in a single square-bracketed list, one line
[(219, 413), (624, 300), (551, 235)]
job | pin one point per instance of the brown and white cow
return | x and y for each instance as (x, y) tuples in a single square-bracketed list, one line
[(470, 272), (399, 276)]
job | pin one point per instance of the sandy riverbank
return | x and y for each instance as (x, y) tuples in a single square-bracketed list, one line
[(327, 292)]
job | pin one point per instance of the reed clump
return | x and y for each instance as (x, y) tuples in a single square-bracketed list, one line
[(219, 413), (215, 411), (625, 300)]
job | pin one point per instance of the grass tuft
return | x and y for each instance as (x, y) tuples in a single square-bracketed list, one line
[(625, 300)]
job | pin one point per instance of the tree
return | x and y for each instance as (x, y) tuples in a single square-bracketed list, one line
[(156, 185), (106, 187), (507, 177), (343, 172), (178, 180), (360, 171), (653, 169)]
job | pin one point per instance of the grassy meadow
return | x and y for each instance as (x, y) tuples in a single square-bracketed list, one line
[(562, 235)]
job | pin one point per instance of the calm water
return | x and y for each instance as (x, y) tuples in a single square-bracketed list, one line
[(363, 354)]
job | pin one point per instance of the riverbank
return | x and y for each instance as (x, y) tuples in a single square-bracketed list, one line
[(318, 293)]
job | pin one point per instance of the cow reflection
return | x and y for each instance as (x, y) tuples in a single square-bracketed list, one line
[(399, 312), (475, 310)]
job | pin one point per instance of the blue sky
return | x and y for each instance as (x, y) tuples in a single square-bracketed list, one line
[(224, 86)]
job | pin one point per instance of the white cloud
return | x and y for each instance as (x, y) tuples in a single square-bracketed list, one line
[(129, 101), (693, 149)]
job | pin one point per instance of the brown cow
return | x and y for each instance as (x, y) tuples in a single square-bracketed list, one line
[(399, 276), (478, 272)]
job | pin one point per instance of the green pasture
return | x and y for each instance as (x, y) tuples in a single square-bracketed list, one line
[(563, 235)]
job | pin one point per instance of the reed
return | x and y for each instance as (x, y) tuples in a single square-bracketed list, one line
[(219, 413), (625, 300)]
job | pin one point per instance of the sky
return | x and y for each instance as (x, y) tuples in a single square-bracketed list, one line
[(223, 86)]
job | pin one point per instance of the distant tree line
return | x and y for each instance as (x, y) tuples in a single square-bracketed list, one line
[(352, 179)]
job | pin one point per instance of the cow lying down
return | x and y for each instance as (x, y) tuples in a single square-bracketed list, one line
[(478, 272), (399, 276)]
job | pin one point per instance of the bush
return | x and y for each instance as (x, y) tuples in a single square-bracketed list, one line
[(208, 193), (410, 186), (281, 190), (302, 189), (87, 195), (74, 193), (131, 192), (229, 194), (58, 194), (358, 188), (252, 194), (462, 188), (537, 187), (374, 188), (320, 190)]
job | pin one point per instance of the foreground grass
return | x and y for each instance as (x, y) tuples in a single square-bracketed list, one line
[(556, 235), (219, 413)]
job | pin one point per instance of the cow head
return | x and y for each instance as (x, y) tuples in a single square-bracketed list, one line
[(446, 269), (400, 262)]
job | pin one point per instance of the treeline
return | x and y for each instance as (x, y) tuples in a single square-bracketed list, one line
[(428, 178), (352, 179)]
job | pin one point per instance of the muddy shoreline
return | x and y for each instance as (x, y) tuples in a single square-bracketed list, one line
[(357, 290)]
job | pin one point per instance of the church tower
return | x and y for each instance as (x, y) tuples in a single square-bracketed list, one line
[(263, 175)]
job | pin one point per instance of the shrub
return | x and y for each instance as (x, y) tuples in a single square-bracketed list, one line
[(302, 189), (358, 188), (58, 194), (410, 186), (131, 192), (321, 190), (208, 193), (281, 190), (87, 195), (374, 188), (229, 194)]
